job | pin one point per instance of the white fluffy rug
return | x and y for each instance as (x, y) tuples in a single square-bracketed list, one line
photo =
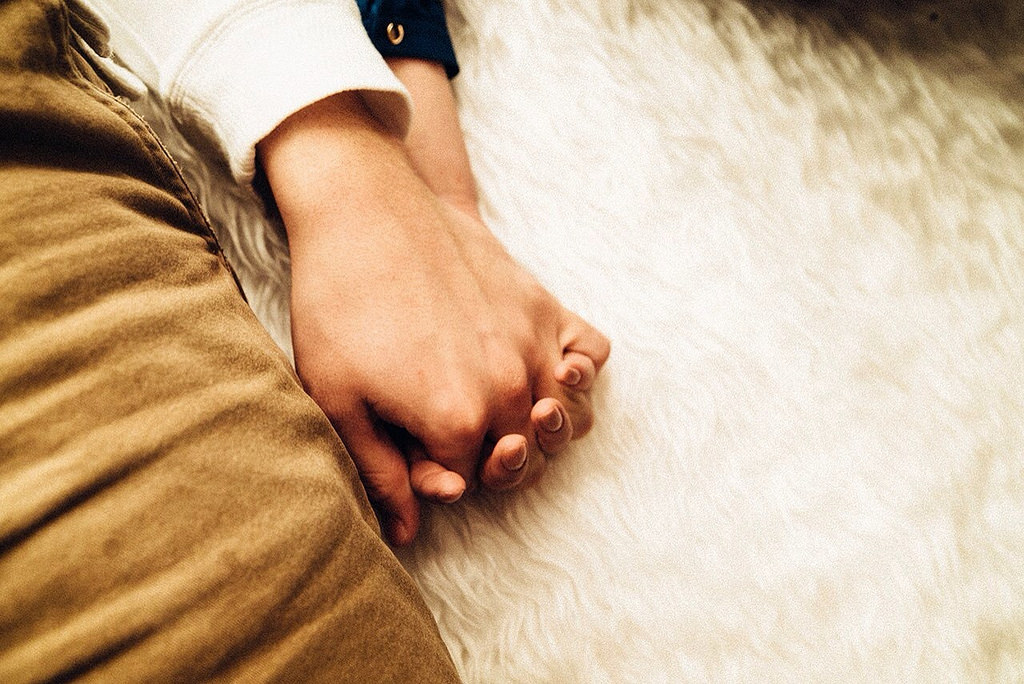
[(802, 225)]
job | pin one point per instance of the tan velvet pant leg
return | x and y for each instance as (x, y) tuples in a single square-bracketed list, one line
[(172, 506)]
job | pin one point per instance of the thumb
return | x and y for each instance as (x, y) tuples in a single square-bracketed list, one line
[(434, 482)]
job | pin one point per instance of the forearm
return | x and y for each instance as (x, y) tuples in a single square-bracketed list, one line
[(435, 143)]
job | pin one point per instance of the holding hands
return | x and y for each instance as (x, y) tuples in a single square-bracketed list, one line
[(440, 361)]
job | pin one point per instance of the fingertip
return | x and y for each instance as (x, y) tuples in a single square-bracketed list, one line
[(604, 351), (568, 375), (506, 465), (435, 483), (451, 496), (598, 348), (399, 533), (553, 420), (515, 459), (576, 371), (544, 411), (449, 488), (552, 425), (401, 522), (585, 339)]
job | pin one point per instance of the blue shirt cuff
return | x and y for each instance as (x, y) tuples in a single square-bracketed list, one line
[(410, 28)]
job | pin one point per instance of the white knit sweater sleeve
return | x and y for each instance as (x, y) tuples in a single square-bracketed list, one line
[(232, 70)]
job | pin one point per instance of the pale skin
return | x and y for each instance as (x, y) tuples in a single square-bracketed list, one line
[(438, 153), (440, 361)]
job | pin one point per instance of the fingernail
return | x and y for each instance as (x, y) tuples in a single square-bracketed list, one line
[(518, 460), (572, 376), (452, 495), (552, 422)]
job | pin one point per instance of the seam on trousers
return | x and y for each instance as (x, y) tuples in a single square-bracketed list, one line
[(173, 180)]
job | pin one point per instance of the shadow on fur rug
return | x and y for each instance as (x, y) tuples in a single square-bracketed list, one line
[(802, 225)]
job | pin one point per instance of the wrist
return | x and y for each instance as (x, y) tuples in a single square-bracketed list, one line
[(335, 171), (435, 143), (326, 154)]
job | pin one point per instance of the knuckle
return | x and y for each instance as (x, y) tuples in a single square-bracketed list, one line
[(534, 292), (461, 422), (512, 388), (605, 348), (602, 349)]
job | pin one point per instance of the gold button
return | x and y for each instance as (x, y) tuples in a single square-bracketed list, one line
[(396, 32)]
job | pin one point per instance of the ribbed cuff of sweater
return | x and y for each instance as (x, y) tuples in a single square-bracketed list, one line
[(269, 60)]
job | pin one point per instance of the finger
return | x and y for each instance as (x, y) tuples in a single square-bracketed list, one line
[(577, 371), (454, 439), (581, 337), (429, 480), (385, 475), (584, 350), (433, 482), (506, 466), (575, 404), (552, 425)]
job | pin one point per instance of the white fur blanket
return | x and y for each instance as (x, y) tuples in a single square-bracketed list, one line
[(802, 225)]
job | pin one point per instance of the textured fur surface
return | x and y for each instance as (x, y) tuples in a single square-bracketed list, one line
[(802, 225)]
